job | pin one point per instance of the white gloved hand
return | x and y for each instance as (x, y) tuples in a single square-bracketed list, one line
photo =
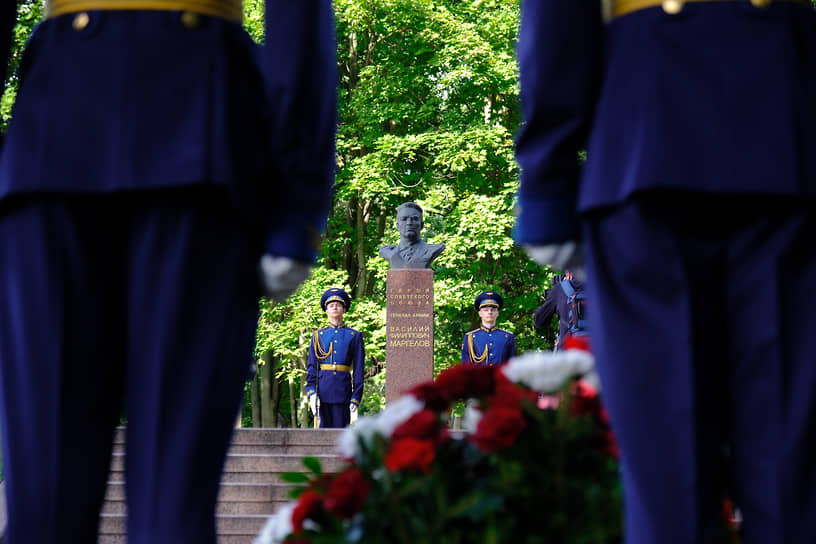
[(352, 407), (566, 256), (313, 403), (281, 276)]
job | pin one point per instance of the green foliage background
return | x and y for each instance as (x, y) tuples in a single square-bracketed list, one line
[(428, 110)]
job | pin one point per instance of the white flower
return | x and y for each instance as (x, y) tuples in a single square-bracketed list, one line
[(278, 526), (546, 371), (349, 440), (397, 413), (593, 379), (384, 423)]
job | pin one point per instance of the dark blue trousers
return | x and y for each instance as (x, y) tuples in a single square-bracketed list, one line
[(334, 416), (145, 305), (704, 327)]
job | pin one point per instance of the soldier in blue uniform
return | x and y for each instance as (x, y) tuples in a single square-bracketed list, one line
[(155, 154), (694, 217), (488, 344), (334, 374)]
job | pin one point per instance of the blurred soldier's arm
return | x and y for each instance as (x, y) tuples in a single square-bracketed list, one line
[(559, 55), (545, 312), (298, 61)]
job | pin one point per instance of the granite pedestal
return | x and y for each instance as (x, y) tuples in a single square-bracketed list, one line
[(409, 330)]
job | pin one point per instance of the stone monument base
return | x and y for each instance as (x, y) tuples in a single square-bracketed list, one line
[(409, 330)]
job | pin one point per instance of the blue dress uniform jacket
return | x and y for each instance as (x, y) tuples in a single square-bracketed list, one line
[(156, 100), (152, 157), (618, 90), (336, 366), (696, 208), (488, 346)]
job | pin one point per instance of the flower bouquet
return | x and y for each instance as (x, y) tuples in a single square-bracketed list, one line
[(539, 464)]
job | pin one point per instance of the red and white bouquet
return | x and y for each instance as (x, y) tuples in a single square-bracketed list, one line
[(539, 464)]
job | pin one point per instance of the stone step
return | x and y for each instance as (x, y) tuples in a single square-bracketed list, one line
[(220, 539), (222, 508), (228, 492), (251, 488), (258, 468), (296, 449), (270, 437), (233, 498), (255, 441), (236, 525), (283, 437)]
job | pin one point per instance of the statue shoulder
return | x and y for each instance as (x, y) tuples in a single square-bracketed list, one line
[(436, 249), (387, 251)]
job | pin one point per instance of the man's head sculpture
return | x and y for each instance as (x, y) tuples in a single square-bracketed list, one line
[(411, 252)]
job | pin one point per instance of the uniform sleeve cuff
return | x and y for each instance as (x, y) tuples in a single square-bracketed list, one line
[(542, 222), (299, 242)]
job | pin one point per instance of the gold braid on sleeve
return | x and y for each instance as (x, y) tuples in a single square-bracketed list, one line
[(473, 357), (320, 353)]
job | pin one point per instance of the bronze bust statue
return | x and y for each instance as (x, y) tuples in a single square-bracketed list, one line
[(411, 252)]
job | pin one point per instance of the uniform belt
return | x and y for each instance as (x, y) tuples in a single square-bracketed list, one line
[(224, 9), (341, 368), (618, 8)]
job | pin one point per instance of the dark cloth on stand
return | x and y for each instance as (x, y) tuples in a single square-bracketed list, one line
[(556, 304)]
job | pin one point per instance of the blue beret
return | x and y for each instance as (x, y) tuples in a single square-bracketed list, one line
[(335, 294), (489, 298)]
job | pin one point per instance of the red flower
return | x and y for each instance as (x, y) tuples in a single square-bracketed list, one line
[(508, 393), (431, 395), (585, 400), (462, 381), (498, 428), (580, 341), (308, 505), (422, 425), (457, 382), (410, 453), (346, 493)]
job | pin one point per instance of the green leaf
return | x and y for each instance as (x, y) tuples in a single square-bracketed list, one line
[(313, 464), (294, 477)]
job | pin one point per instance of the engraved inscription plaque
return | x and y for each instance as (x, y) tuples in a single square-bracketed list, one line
[(409, 330)]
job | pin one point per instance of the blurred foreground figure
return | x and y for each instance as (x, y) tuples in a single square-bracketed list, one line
[(694, 218), (154, 155)]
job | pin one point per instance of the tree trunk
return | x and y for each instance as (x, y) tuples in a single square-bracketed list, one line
[(268, 406), (350, 252), (255, 398), (293, 405), (362, 270), (275, 399)]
